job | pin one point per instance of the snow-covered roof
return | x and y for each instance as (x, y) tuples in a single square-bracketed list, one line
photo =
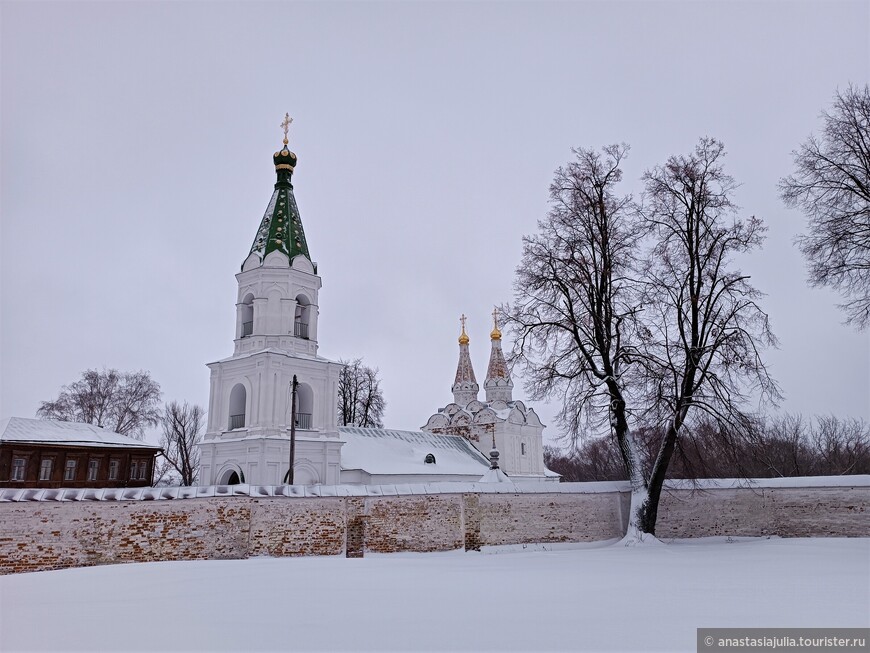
[(387, 451), (71, 434), (495, 476)]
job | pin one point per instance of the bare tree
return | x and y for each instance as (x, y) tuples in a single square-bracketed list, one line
[(831, 185), (778, 447), (783, 446), (704, 329), (596, 459), (164, 473), (182, 426), (575, 302), (635, 318), (360, 398), (123, 402), (841, 446)]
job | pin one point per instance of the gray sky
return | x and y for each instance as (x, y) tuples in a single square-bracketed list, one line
[(136, 166)]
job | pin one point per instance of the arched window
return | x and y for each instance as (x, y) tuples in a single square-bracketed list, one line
[(303, 316), (247, 315), (238, 399), (304, 406)]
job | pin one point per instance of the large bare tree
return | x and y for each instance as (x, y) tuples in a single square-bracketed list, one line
[(576, 300), (831, 185), (703, 325), (123, 402), (360, 398), (182, 430), (637, 316)]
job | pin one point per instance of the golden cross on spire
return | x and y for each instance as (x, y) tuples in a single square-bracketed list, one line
[(286, 125), (463, 337), (496, 333), (462, 319)]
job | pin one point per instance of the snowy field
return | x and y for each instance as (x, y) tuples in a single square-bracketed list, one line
[(584, 598)]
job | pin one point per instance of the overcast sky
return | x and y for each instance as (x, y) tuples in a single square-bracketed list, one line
[(136, 165)]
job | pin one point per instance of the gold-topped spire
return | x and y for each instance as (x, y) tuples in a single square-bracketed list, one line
[(285, 124), (495, 334), (463, 337)]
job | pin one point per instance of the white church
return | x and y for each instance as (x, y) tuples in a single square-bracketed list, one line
[(248, 438)]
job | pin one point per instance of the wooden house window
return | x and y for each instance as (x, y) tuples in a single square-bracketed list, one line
[(18, 466), (113, 470), (134, 470), (45, 469), (69, 472), (93, 468)]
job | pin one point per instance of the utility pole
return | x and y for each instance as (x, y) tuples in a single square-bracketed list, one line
[(292, 430)]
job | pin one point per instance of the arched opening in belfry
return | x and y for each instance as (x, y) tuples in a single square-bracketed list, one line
[(233, 479), (304, 406), (247, 315), (302, 320), (238, 399)]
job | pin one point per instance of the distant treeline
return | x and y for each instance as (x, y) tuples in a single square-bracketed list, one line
[(786, 446)]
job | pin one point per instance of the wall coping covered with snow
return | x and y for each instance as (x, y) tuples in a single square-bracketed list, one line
[(244, 490)]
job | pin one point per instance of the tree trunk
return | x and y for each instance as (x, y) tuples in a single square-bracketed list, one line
[(639, 511)]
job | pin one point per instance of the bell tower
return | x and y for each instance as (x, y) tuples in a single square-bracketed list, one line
[(249, 418)]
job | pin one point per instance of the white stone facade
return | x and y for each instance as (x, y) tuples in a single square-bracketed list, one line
[(248, 434), (510, 426), (516, 430)]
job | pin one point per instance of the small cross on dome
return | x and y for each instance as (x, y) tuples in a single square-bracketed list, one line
[(285, 124), (463, 337), (496, 332)]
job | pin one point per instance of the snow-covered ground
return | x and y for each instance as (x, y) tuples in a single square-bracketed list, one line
[(587, 598)]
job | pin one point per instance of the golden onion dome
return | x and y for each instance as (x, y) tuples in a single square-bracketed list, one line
[(463, 337), (495, 334)]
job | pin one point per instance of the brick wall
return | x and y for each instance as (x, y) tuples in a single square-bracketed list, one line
[(526, 518), (50, 531), (414, 523), (294, 527), (784, 511), (41, 535)]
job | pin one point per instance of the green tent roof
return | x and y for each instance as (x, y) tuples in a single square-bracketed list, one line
[(281, 227)]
